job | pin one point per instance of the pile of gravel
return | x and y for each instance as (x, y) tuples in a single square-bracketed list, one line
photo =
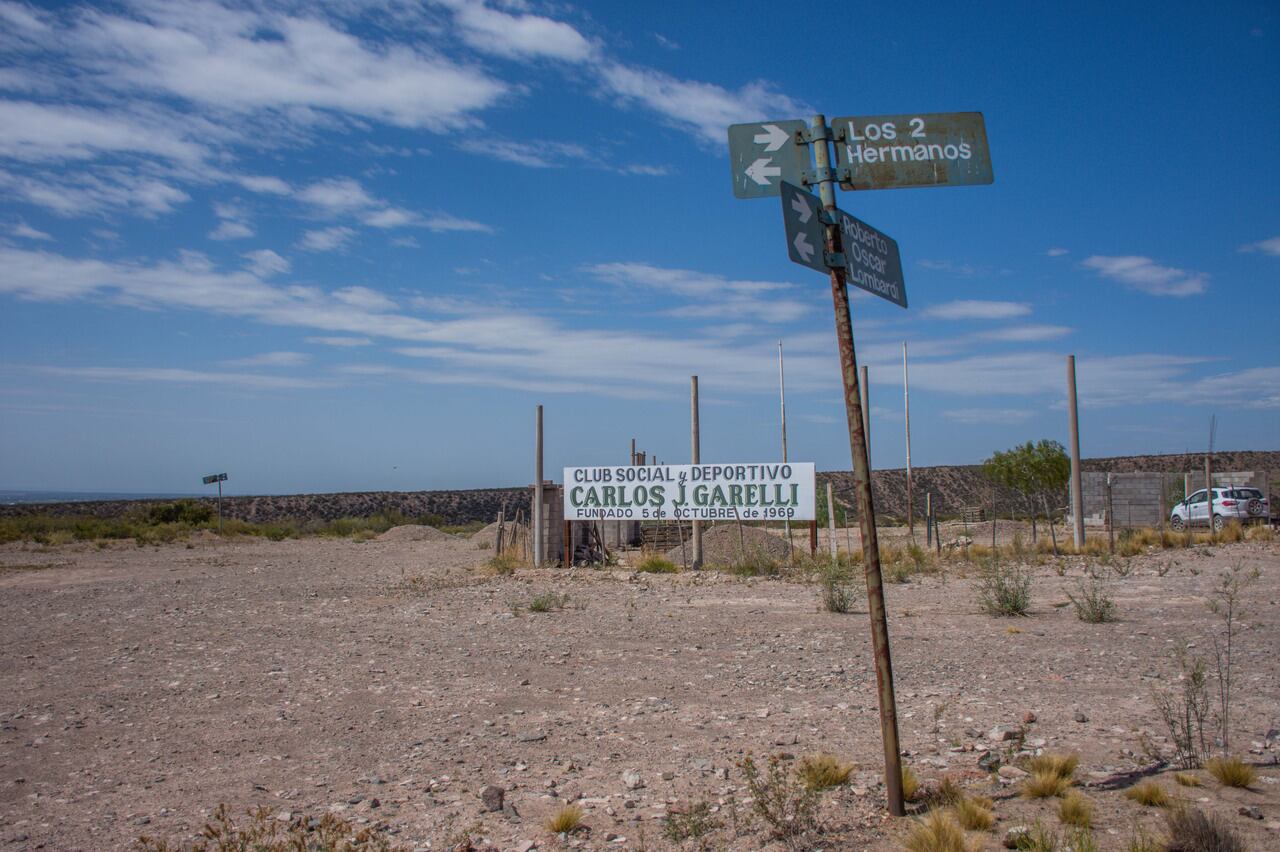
[(414, 532), (721, 545), (488, 536)]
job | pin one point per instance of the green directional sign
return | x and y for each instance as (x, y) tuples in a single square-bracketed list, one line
[(806, 235), (920, 149), (763, 155), (872, 261)]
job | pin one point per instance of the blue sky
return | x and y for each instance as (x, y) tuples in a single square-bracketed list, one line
[(343, 246)]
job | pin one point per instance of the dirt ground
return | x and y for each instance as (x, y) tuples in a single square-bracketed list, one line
[(390, 681)]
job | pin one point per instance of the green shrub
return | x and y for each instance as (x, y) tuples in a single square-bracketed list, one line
[(838, 584), (657, 565), (1093, 604), (1005, 590)]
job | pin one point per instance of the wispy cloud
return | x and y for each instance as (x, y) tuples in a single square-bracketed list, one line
[(976, 309), (26, 232), (1057, 252), (518, 35), (1144, 274), (1024, 333), (326, 239), (270, 359), (1268, 246), (264, 263), (987, 416), (342, 342), (165, 375), (717, 296)]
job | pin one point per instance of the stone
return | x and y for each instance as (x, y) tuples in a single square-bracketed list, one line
[(668, 776), (531, 736), (1002, 733), (1081, 718), (1011, 773), (988, 760), (1251, 811), (526, 846), (1028, 718), (1015, 836), (492, 796), (632, 780)]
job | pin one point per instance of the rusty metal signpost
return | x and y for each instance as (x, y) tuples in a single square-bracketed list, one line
[(878, 152)]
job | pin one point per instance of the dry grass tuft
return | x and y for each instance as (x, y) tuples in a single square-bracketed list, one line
[(947, 792), (1148, 793), (974, 814), (264, 833), (1061, 765), (566, 820), (1186, 779), (1045, 785), (1192, 830), (1076, 810), (657, 565), (938, 832), (1260, 532), (910, 784), (1231, 772), (823, 771)]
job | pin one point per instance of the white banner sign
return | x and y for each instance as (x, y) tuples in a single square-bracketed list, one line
[(691, 492)]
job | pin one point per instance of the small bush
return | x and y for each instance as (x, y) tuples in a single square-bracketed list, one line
[(1260, 532), (839, 586), (823, 771), (1075, 809), (1231, 772), (1186, 779), (1149, 794), (755, 564), (548, 602), (657, 565), (1141, 841), (1045, 785), (565, 821), (787, 806), (265, 833), (1192, 830), (938, 832), (1005, 590), (1093, 605), (974, 813), (693, 822), (503, 564)]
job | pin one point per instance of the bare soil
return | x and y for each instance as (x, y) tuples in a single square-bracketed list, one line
[(390, 681)]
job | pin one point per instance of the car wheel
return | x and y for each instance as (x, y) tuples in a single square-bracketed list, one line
[(1176, 523), (1218, 523)]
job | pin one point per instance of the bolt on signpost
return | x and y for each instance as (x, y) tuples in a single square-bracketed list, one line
[(218, 478), (879, 152)]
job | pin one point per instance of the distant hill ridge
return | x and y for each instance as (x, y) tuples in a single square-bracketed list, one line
[(953, 486)]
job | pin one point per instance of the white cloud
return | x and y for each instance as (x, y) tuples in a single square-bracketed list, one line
[(442, 222), (235, 59), (264, 184), (337, 195), (719, 297), (264, 263), (520, 36), (364, 298), (1269, 246), (34, 132), (343, 342), (230, 230), (984, 416), (1143, 273), (1057, 252), (704, 109), (26, 232), (153, 375), (1024, 333), (532, 153), (326, 239), (83, 193), (270, 359), (976, 309)]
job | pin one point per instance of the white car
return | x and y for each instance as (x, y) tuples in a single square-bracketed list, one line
[(1230, 503)]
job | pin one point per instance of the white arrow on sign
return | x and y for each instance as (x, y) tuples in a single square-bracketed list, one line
[(762, 169), (801, 205), (801, 242), (773, 138)]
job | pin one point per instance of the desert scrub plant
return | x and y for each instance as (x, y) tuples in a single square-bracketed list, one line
[(1185, 709), (1075, 809), (1186, 779), (910, 784), (781, 799), (823, 771), (1231, 772), (565, 821), (1225, 602), (1004, 590), (838, 585), (1061, 765), (1192, 830), (1149, 794), (1093, 605), (657, 565), (548, 602), (938, 832), (1044, 785), (974, 813), (693, 822), (754, 564), (264, 833), (503, 564)]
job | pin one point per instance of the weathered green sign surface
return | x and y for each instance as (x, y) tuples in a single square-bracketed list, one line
[(763, 155), (922, 149), (806, 237), (872, 261)]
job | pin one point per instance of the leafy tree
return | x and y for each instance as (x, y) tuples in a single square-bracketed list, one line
[(1038, 470)]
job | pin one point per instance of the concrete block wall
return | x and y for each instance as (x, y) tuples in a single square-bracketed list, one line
[(1144, 499), (616, 534)]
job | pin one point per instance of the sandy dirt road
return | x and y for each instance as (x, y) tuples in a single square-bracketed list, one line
[(391, 682)]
